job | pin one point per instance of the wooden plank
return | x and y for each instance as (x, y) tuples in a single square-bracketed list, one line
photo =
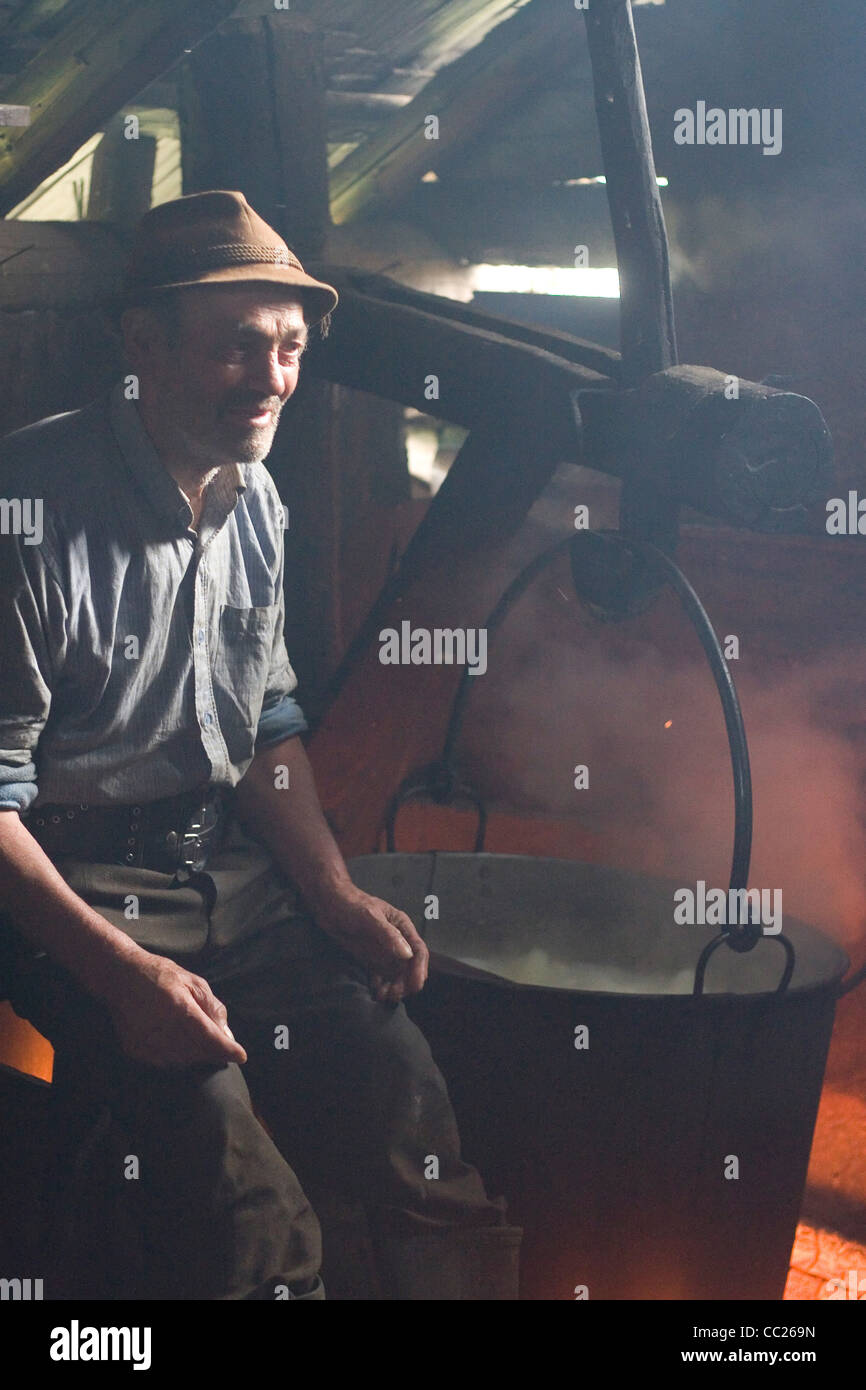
[(51, 362), (353, 116), (407, 33), (57, 265), (518, 222), (335, 457), (22, 1047), (102, 56)]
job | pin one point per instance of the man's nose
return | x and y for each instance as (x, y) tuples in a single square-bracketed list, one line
[(269, 376)]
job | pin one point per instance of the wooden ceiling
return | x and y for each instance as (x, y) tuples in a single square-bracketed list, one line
[(75, 63)]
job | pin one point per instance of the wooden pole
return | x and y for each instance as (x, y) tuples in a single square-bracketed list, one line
[(646, 301), (647, 334), (252, 115), (252, 107), (122, 176)]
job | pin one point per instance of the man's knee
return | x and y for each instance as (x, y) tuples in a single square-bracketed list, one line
[(396, 1111), (392, 1057), (224, 1214)]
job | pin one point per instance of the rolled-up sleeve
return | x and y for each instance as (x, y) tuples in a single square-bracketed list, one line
[(33, 617), (282, 720)]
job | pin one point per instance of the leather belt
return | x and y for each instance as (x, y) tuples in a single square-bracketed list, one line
[(174, 833)]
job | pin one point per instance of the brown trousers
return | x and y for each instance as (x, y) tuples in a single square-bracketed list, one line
[(357, 1111)]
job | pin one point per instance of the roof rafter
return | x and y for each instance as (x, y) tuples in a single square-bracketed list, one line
[(106, 53), (516, 56)]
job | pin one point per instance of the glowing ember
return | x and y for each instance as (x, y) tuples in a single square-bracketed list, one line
[(825, 1265)]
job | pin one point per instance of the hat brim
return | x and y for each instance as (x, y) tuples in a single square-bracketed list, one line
[(317, 298)]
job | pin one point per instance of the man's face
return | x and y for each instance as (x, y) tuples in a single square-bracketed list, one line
[(218, 389)]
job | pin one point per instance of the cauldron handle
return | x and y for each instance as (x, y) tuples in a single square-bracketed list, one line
[(748, 936), (853, 981), (704, 958), (440, 778), (440, 783)]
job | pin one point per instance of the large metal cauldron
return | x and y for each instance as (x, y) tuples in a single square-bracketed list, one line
[(618, 1157), (643, 1093)]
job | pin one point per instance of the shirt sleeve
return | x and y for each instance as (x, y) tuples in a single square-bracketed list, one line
[(281, 716), (33, 617)]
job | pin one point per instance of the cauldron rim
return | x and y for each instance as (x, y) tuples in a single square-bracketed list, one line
[(828, 980)]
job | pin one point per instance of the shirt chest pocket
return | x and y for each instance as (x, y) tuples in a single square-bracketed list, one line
[(243, 653)]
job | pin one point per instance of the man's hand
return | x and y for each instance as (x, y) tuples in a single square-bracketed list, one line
[(167, 1017), (161, 1013), (293, 826), (379, 936)]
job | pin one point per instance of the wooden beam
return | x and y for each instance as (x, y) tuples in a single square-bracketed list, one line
[(104, 55), (339, 466), (759, 459), (57, 265), (755, 460), (353, 116), (565, 345), (252, 114), (404, 33), (516, 56), (394, 350)]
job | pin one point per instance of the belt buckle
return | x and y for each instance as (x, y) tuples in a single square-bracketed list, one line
[(198, 831)]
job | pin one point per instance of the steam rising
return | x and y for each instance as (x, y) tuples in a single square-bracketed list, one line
[(660, 799)]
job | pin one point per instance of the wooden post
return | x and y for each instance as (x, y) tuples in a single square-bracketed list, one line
[(252, 114), (646, 303), (647, 334), (122, 175), (252, 118)]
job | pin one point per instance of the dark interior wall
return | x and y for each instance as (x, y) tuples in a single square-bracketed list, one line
[(767, 249)]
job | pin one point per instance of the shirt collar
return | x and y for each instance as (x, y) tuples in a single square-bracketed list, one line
[(151, 473)]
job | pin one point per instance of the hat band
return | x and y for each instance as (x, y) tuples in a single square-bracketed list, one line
[(174, 265)]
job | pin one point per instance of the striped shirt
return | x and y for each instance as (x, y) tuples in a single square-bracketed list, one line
[(138, 658)]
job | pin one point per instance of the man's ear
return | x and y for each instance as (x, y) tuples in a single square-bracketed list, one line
[(143, 335)]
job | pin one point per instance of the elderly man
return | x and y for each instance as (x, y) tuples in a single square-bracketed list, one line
[(186, 931)]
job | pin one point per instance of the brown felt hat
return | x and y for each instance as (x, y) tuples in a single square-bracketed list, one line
[(216, 238)]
